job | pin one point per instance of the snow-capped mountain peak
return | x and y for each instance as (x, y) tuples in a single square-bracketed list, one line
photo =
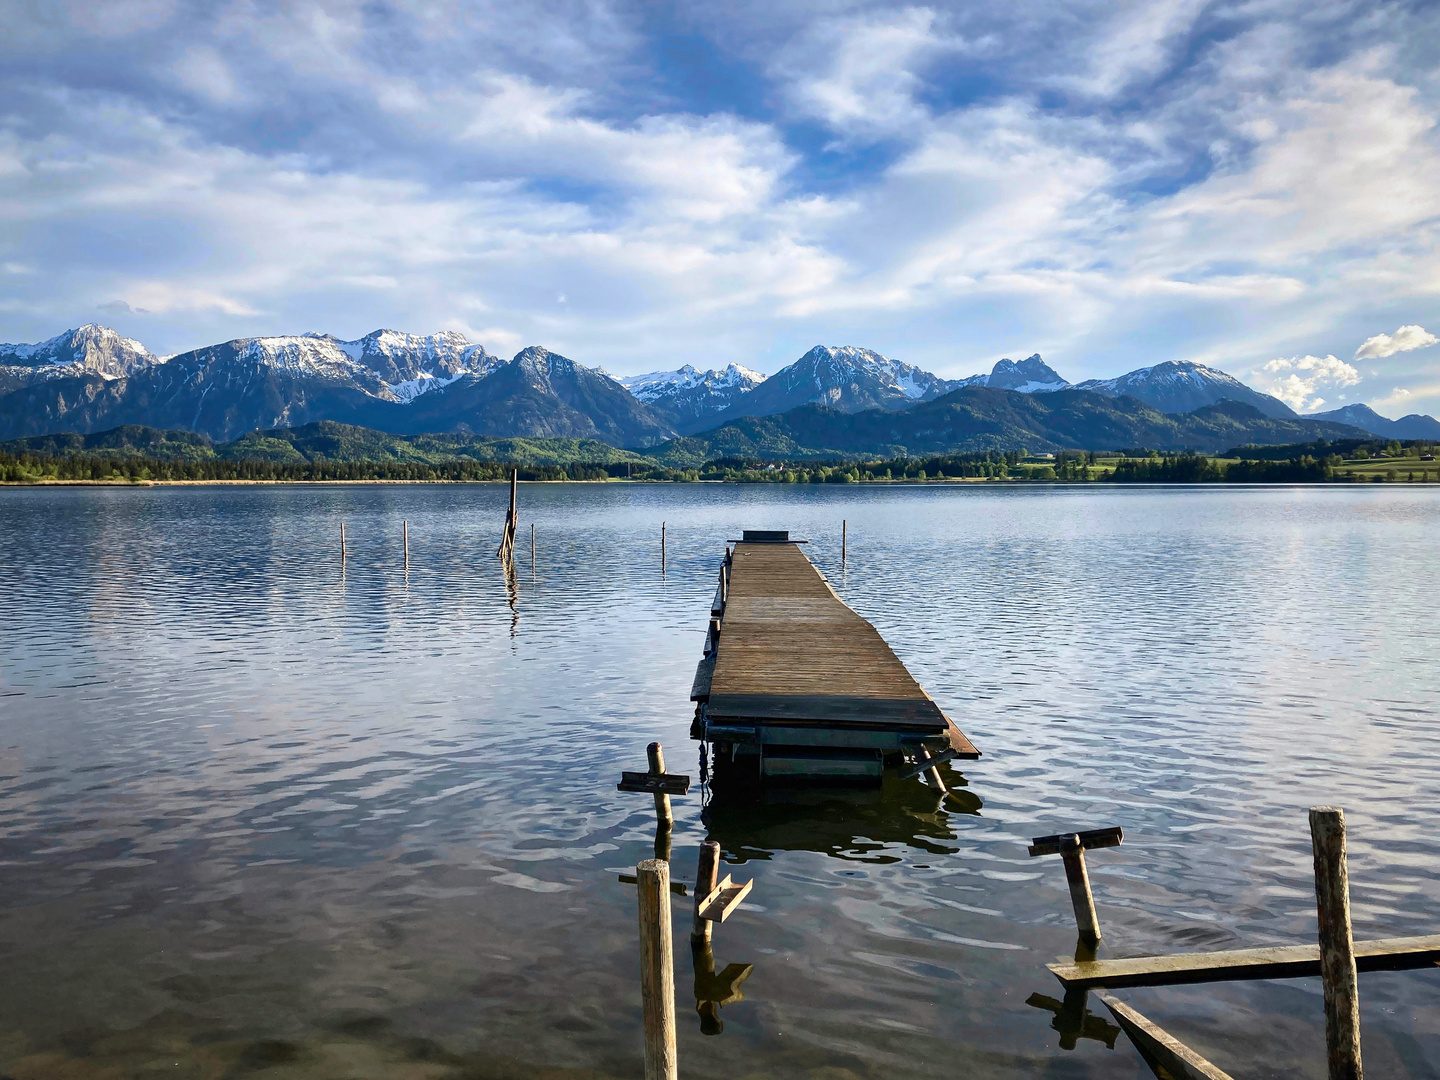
[(386, 363), (1029, 376), (89, 349), (688, 396), (1177, 386)]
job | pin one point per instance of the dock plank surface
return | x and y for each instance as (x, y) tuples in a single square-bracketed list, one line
[(791, 651)]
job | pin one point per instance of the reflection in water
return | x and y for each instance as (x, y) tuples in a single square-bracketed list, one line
[(1073, 1019), (713, 992), (750, 822)]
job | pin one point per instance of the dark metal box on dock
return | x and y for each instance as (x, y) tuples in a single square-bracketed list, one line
[(795, 686)]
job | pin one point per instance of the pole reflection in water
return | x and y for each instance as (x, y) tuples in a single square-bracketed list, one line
[(713, 992)]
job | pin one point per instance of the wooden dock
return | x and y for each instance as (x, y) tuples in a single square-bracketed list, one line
[(796, 679)]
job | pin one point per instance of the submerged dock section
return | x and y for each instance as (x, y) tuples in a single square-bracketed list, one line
[(797, 686)]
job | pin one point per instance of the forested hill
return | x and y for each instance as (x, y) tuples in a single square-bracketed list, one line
[(318, 442), (978, 418)]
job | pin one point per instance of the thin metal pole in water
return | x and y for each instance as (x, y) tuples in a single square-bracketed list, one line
[(657, 970), (342, 541), (405, 525), (1337, 945), (662, 547)]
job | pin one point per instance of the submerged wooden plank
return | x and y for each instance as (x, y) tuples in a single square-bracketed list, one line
[(1276, 962), (1158, 1046)]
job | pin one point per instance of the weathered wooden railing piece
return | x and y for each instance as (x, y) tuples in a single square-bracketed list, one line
[(1158, 1047), (1072, 847), (1274, 962)]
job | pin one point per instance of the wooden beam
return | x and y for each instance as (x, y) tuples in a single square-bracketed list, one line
[(1276, 962), (921, 764), (724, 899), (1158, 1047), (649, 783), (1089, 840)]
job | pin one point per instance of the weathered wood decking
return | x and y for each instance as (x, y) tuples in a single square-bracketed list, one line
[(788, 663)]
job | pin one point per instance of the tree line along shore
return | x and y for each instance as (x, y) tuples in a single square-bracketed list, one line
[(1374, 462)]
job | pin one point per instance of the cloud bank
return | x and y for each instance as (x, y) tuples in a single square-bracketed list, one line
[(639, 186)]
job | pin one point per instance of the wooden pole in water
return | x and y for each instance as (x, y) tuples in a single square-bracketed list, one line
[(405, 526), (342, 541), (932, 774), (706, 878), (532, 546), (1337, 944), (657, 970), (662, 547), (844, 536), (657, 767), (1078, 877)]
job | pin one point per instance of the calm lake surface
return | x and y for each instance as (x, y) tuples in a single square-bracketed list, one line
[(259, 818)]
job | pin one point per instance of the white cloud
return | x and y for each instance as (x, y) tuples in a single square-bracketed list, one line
[(1297, 379), (1403, 340)]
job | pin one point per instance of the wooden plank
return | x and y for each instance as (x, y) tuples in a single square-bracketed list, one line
[(662, 784), (726, 898), (1158, 1046), (704, 673), (1275, 962), (1089, 840), (676, 887), (921, 765)]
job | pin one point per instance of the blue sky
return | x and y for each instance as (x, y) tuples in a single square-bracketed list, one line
[(1254, 185)]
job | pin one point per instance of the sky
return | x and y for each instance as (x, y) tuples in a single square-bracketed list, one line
[(1252, 185)]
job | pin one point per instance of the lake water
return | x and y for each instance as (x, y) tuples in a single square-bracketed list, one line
[(259, 818)]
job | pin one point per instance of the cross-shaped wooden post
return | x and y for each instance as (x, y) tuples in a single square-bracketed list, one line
[(662, 785), (1072, 847)]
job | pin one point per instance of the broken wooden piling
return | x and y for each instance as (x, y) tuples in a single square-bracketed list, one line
[(506, 551), (1071, 847), (1337, 944), (657, 970), (706, 877)]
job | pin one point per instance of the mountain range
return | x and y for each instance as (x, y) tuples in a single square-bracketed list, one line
[(93, 379)]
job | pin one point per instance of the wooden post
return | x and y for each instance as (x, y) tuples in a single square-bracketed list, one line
[(1075, 873), (706, 878), (405, 527), (532, 547), (932, 774), (657, 970), (342, 541), (1337, 945), (844, 535), (657, 768), (507, 538), (662, 547)]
